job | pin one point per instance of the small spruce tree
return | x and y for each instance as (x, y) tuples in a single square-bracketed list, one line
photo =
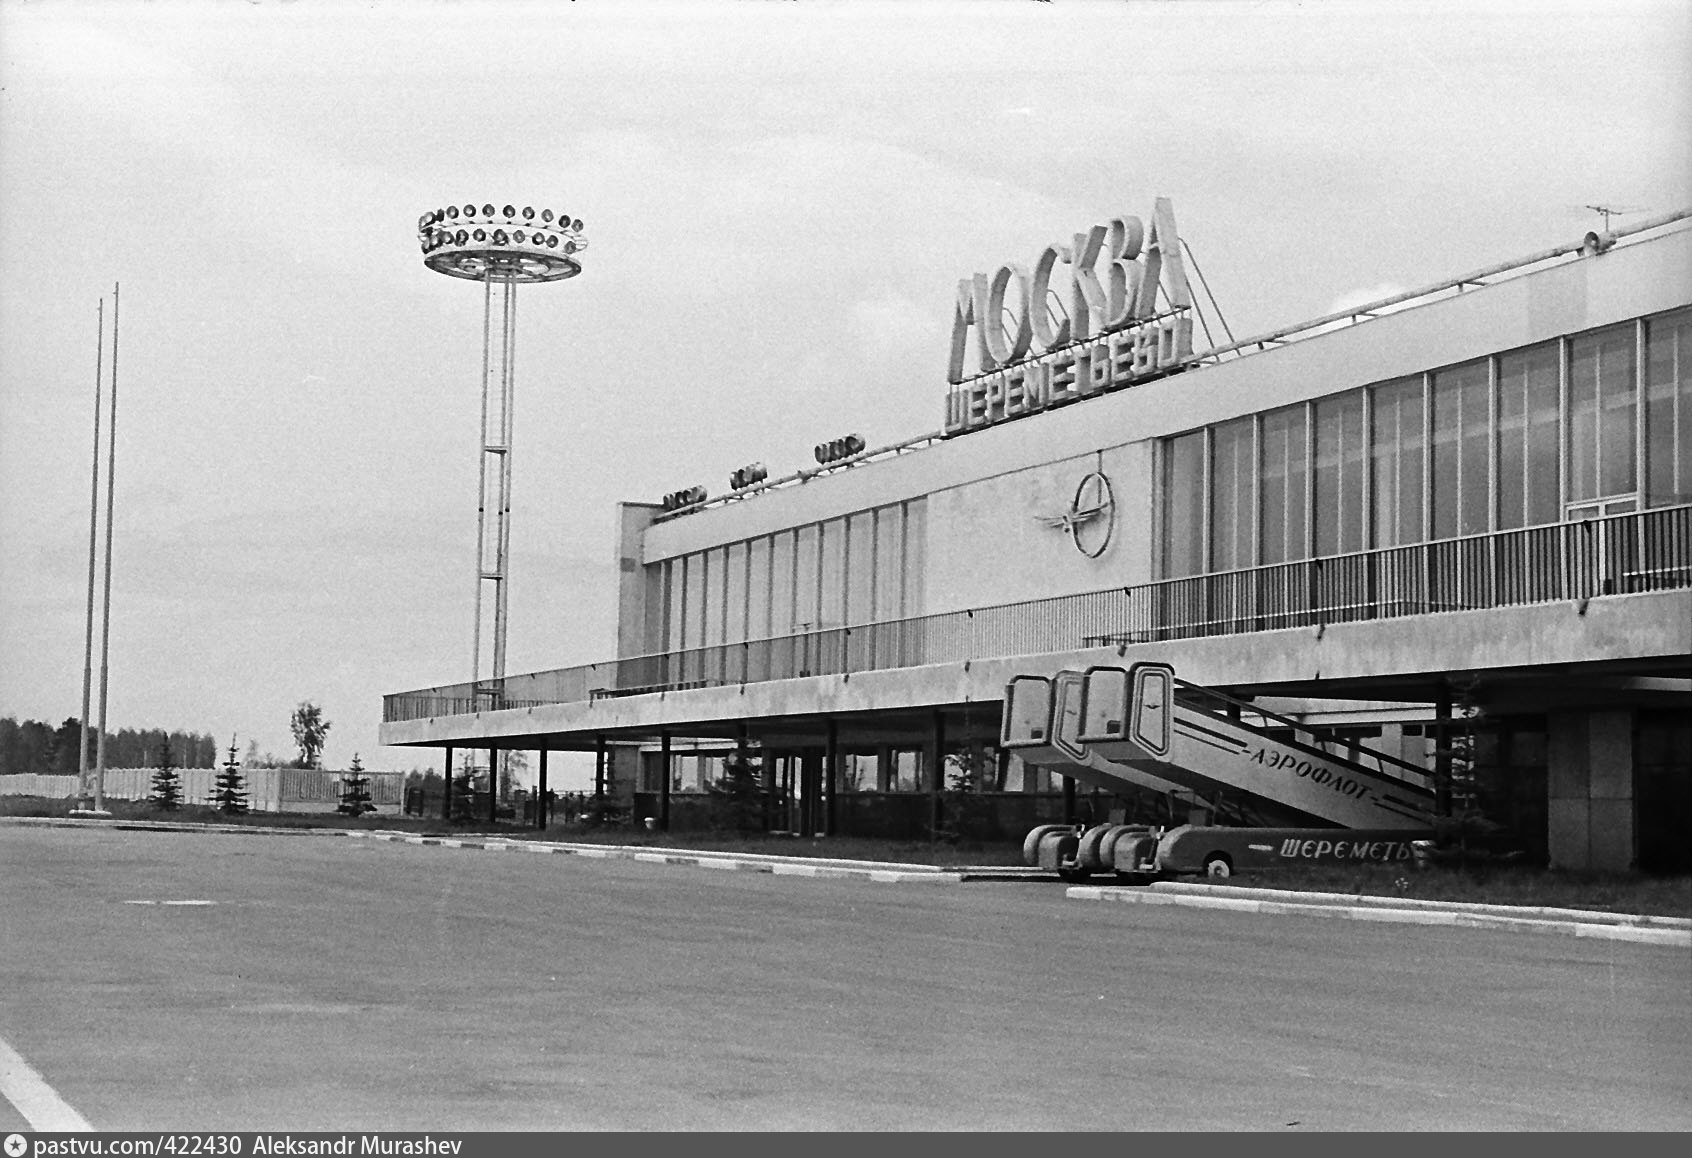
[(737, 796), (355, 791), (230, 793), (167, 782)]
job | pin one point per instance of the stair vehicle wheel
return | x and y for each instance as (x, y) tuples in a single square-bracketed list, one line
[(1090, 854), (1217, 866), (1031, 842)]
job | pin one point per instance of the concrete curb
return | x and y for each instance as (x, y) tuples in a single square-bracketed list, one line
[(1449, 915), (1589, 916), (879, 872), (733, 862)]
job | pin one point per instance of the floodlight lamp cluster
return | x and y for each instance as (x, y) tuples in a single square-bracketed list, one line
[(501, 243)]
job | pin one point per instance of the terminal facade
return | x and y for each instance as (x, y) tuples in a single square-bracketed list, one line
[(1467, 511)]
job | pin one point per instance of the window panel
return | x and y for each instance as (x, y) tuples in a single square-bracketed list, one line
[(1668, 408), (693, 607), (1183, 505), (916, 557), (1282, 475), (734, 588), (860, 568), (805, 615), (1396, 463), (1528, 462), (1232, 498), (1601, 414), (889, 563), (1460, 442), (758, 589), (1340, 521), (832, 585), (782, 618)]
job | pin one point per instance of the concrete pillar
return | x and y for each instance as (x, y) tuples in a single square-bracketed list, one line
[(664, 781), (1589, 789), (446, 796)]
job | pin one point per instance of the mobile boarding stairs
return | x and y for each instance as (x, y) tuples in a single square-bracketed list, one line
[(1125, 730)]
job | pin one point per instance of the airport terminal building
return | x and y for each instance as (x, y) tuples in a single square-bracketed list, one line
[(1467, 507)]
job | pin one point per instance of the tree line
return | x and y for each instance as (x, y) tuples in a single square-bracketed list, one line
[(34, 746)]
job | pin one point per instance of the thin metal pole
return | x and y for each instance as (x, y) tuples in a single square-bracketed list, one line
[(93, 554), (106, 615)]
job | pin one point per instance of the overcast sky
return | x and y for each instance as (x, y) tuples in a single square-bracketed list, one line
[(780, 199)]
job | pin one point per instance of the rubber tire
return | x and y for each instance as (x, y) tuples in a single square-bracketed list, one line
[(1031, 842), (1217, 866), (1090, 854)]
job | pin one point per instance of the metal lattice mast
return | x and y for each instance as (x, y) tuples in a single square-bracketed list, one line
[(506, 248)]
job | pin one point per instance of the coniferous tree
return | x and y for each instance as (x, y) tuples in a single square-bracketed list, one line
[(167, 783), (230, 794), (355, 791)]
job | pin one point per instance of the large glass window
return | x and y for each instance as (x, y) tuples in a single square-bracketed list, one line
[(1460, 450), (1183, 503), (1601, 414), (1528, 462), (1668, 408), (1396, 463), (1281, 485), (1233, 502), (1341, 525)]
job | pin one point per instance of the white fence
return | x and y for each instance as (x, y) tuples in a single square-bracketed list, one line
[(268, 789)]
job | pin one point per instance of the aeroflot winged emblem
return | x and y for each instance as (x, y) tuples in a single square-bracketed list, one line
[(1091, 516)]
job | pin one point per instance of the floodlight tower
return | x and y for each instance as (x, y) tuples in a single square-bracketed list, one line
[(506, 247)]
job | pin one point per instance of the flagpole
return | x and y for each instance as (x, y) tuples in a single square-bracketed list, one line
[(93, 524), (106, 627)]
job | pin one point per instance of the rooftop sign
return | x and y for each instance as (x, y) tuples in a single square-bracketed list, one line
[(1048, 349)]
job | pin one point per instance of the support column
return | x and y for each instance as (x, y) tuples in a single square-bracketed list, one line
[(664, 781), (540, 795), (936, 772), (1442, 753), (831, 774), (446, 797), (599, 766), (1590, 791), (1069, 808), (493, 783)]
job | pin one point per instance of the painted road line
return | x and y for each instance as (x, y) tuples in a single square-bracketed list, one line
[(37, 1101), (1448, 918)]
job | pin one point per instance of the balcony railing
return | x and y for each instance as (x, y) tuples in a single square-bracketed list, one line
[(1639, 551)]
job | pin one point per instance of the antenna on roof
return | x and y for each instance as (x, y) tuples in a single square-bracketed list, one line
[(1609, 211)]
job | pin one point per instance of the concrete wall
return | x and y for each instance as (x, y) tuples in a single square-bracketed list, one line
[(1590, 791)]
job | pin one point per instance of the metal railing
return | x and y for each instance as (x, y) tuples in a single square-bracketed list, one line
[(1619, 554)]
